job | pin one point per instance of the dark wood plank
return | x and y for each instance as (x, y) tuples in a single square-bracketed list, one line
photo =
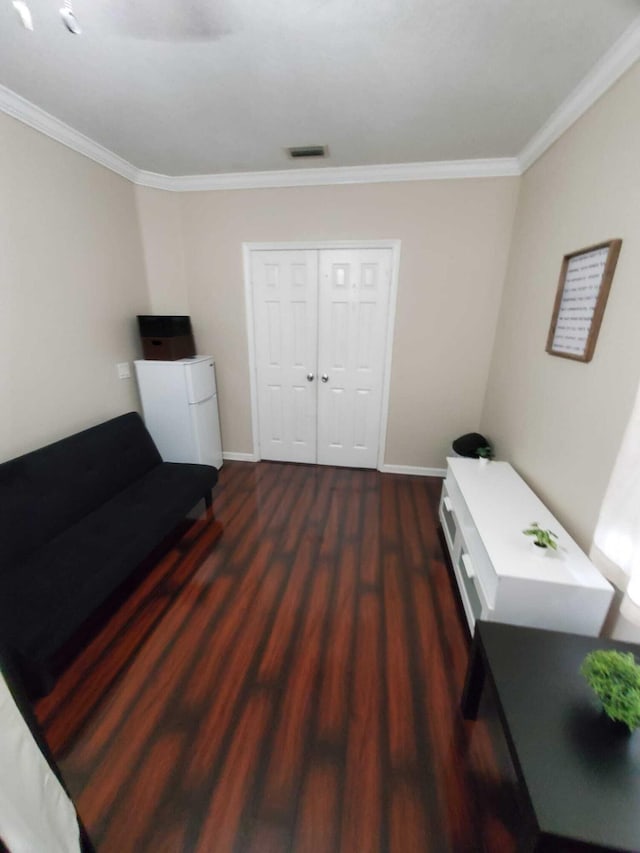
[(316, 824), (285, 766), (363, 821), (286, 678), (135, 717), (408, 827), (221, 697), (400, 712), (151, 781), (290, 607), (221, 825), (332, 702)]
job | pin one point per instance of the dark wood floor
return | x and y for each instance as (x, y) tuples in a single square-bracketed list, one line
[(288, 684)]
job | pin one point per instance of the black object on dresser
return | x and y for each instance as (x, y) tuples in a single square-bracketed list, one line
[(580, 777), (76, 520)]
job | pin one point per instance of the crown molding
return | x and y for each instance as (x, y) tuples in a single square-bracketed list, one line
[(28, 113), (332, 175), (618, 59), (32, 115)]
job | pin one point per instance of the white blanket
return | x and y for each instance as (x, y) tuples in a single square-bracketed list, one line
[(36, 815)]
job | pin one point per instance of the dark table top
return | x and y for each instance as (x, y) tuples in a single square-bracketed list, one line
[(582, 776)]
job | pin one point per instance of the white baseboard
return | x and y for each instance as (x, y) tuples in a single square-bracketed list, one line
[(239, 457), (232, 456), (414, 469)]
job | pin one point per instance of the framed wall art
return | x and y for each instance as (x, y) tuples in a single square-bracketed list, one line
[(583, 288)]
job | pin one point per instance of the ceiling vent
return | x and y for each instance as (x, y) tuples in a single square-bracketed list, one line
[(301, 151)]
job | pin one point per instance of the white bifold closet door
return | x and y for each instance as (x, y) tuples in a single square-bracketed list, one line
[(285, 311), (320, 341)]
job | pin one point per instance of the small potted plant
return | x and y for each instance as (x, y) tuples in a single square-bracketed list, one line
[(485, 454), (615, 679), (543, 540)]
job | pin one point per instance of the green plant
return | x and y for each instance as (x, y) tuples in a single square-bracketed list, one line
[(485, 452), (543, 538), (615, 679)]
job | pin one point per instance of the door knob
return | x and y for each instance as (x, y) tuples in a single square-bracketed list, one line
[(309, 377), (325, 377)]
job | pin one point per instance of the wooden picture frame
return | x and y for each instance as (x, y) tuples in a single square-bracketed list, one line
[(583, 288)]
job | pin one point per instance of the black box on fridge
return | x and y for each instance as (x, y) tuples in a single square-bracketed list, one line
[(166, 337)]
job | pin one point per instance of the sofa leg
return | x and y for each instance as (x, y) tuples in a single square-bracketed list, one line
[(208, 500)]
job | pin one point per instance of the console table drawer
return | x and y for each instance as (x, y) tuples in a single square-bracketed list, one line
[(468, 590), (456, 519), (448, 518)]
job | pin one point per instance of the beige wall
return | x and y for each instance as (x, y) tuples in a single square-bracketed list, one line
[(160, 218), (71, 282), (561, 422), (455, 237), (83, 251)]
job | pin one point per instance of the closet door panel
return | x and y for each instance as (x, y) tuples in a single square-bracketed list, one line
[(354, 286), (285, 309)]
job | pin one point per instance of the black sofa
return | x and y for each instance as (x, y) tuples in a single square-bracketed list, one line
[(76, 520)]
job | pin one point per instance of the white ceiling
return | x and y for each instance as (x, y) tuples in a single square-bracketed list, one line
[(202, 87)]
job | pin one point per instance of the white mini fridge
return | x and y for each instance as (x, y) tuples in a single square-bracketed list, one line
[(180, 407)]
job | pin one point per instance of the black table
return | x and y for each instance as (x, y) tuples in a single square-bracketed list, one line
[(580, 777)]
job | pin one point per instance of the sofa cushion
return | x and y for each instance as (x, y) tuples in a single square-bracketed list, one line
[(51, 592), (46, 491)]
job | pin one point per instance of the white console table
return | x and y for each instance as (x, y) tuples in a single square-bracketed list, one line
[(483, 511)]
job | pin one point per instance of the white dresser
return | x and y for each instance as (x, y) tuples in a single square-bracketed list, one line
[(483, 511)]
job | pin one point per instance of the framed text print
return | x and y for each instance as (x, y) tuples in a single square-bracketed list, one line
[(585, 280)]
